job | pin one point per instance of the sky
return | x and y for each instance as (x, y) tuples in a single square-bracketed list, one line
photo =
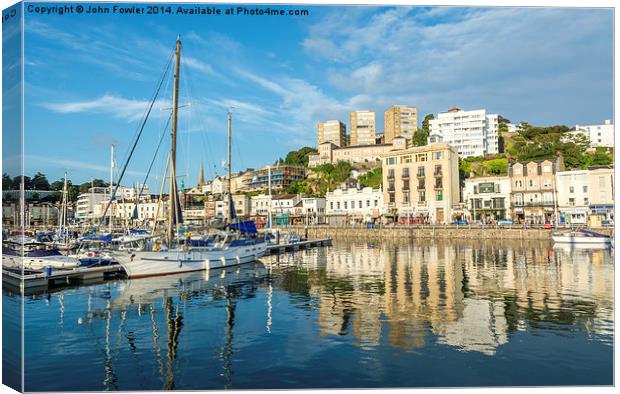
[(88, 78)]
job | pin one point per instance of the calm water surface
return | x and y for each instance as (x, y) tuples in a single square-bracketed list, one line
[(352, 315)]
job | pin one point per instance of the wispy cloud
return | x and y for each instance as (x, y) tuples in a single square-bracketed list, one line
[(128, 109), (37, 161)]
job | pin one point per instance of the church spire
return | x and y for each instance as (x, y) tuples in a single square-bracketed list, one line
[(201, 177)]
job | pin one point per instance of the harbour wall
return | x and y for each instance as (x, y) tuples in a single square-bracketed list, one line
[(426, 232)]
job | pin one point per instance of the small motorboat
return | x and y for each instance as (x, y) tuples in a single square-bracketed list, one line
[(35, 256), (581, 236)]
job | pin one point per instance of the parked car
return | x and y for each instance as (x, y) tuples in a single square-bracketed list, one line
[(505, 223), (459, 222)]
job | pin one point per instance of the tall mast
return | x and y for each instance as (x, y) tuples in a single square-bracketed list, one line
[(230, 218), (269, 206), (111, 182), (173, 149)]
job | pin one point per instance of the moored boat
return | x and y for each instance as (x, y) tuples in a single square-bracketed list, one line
[(581, 236)]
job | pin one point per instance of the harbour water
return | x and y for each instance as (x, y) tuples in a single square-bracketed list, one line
[(431, 314)]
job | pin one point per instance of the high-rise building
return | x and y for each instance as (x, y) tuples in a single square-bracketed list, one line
[(422, 183), (472, 133), (399, 120), (362, 128), (333, 131)]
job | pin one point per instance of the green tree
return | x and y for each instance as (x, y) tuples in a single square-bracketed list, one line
[(299, 157), (7, 182), (373, 178), (39, 182), (495, 167), (420, 137)]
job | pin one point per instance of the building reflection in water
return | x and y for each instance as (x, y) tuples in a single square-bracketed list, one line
[(467, 295)]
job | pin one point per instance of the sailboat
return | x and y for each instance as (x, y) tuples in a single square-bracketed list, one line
[(240, 244)]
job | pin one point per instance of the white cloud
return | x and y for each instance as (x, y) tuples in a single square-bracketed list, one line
[(128, 109)]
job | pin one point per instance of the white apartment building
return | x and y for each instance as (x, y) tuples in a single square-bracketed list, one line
[(313, 210), (487, 198), (284, 204), (89, 204), (471, 133), (361, 205), (600, 135), (573, 196), (362, 125), (259, 205)]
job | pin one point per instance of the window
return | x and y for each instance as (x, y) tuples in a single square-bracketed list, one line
[(390, 174), (571, 189), (368, 203), (359, 204), (420, 171), (422, 196), (585, 189), (392, 198), (376, 203), (531, 183), (586, 201), (571, 202), (390, 160), (439, 196), (547, 169), (406, 198), (338, 205), (345, 205)]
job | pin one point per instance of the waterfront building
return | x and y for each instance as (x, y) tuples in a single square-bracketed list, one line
[(146, 210), (399, 120), (573, 195), (472, 133), (314, 209), (422, 183), (532, 194), (361, 205), (282, 176), (362, 125), (259, 205), (487, 198), (600, 135), (35, 214), (334, 131), (285, 208), (89, 204), (601, 190), (241, 202)]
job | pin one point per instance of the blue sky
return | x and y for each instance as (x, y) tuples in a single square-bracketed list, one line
[(88, 78)]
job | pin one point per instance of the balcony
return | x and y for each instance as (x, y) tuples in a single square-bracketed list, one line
[(438, 186), (391, 188), (421, 186), (438, 174), (405, 176), (406, 186), (420, 174), (390, 176)]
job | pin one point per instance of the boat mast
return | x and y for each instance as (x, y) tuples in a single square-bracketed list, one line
[(230, 199), (111, 183), (269, 206), (172, 211)]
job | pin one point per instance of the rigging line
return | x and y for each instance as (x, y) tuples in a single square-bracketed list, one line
[(161, 139), (167, 69), (202, 132), (147, 111)]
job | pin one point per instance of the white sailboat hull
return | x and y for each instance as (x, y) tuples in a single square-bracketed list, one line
[(175, 261), (570, 239), (38, 263)]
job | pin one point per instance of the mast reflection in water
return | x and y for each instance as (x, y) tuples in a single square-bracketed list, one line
[(352, 315)]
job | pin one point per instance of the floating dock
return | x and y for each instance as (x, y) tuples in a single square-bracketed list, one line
[(294, 246), (43, 280)]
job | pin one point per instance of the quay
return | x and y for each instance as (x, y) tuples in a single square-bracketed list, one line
[(431, 232)]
